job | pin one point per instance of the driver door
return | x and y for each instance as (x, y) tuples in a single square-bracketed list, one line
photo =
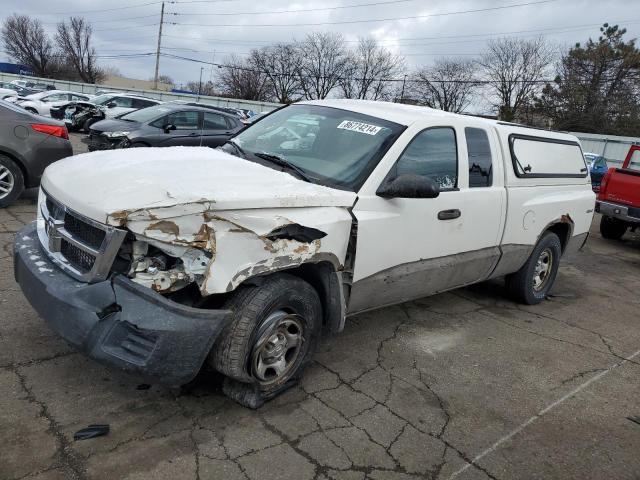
[(186, 133), (412, 247)]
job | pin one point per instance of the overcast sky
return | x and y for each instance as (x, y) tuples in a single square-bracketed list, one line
[(221, 27)]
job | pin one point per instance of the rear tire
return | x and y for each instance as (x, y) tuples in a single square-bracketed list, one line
[(612, 228), (271, 338), (11, 181), (531, 284)]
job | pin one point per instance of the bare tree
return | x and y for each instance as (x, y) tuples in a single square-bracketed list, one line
[(280, 63), (240, 79), (26, 41), (367, 68), (166, 79), (74, 39), (323, 58), (205, 88), (447, 85), (515, 68)]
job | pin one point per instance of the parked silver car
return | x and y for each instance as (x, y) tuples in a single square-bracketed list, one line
[(28, 144)]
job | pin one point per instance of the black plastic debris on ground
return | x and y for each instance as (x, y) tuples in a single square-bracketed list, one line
[(634, 419), (91, 431), (143, 386)]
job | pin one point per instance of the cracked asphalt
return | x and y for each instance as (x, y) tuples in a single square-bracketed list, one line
[(465, 385)]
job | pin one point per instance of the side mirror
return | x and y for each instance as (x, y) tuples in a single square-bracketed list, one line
[(168, 128), (111, 104), (409, 186)]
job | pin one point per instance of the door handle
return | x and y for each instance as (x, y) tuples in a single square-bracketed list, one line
[(449, 214), (193, 134)]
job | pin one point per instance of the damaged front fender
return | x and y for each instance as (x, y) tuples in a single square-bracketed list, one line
[(220, 250)]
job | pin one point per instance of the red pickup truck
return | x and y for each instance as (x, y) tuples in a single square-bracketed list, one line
[(619, 197)]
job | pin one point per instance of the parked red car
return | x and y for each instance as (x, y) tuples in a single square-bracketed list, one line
[(619, 197)]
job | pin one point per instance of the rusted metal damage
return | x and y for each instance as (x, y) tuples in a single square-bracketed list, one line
[(249, 244)]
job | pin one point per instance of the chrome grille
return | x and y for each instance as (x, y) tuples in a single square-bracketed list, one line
[(79, 245), (84, 232), (82, 260)]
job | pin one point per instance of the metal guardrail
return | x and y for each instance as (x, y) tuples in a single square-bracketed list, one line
[(612, 147), (157, 94)]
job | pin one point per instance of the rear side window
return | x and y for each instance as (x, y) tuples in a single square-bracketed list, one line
[(123, 102), (479, 151), (138, 103), (432, 153), (213, 121), (540, 157)]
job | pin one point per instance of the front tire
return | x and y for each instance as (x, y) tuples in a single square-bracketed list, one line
[(612, 228), (531, 284), (11, 181), (271, 338)]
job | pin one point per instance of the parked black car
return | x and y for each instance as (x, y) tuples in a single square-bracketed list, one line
[(231, 111), (164, 126), (28, 144)]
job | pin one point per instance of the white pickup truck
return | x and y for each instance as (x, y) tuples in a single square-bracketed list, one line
[(161, 260)]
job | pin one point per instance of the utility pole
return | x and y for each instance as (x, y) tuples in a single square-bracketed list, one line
[(404, 80), (200, 83), (155, 78)]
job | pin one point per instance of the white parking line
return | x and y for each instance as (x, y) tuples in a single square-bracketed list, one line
[(542, 412)]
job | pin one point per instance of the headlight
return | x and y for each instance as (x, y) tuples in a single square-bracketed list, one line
[(115, 134)]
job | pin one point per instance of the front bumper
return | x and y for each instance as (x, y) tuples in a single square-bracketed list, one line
[(96, 142), (117, 321), (621, 212)]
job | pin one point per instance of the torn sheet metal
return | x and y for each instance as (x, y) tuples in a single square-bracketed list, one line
[(220, 250)]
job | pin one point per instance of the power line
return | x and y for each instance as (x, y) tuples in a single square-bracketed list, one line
[(254, 70), (350, 22), (103, 9), (301, 10), (564, 29), (127, 27)]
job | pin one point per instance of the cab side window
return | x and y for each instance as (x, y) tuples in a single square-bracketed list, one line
[(432, 153), (479, 150)]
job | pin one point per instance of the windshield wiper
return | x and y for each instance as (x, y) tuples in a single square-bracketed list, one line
[(284, 163)]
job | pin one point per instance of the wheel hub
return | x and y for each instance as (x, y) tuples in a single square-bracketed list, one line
[(542, 269), (6, 181), (278, 347)]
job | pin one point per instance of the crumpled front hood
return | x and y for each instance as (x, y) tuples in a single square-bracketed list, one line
[(108, 186)]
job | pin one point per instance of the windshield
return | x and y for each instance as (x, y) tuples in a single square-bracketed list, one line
[(146, 114), (336, 147)]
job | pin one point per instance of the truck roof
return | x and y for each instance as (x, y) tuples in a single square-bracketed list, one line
[(394, 112), (408, 114)]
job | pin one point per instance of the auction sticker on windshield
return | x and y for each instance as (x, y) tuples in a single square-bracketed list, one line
[(359, 127)]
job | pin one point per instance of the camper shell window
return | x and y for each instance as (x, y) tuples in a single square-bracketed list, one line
[(540, 157)]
